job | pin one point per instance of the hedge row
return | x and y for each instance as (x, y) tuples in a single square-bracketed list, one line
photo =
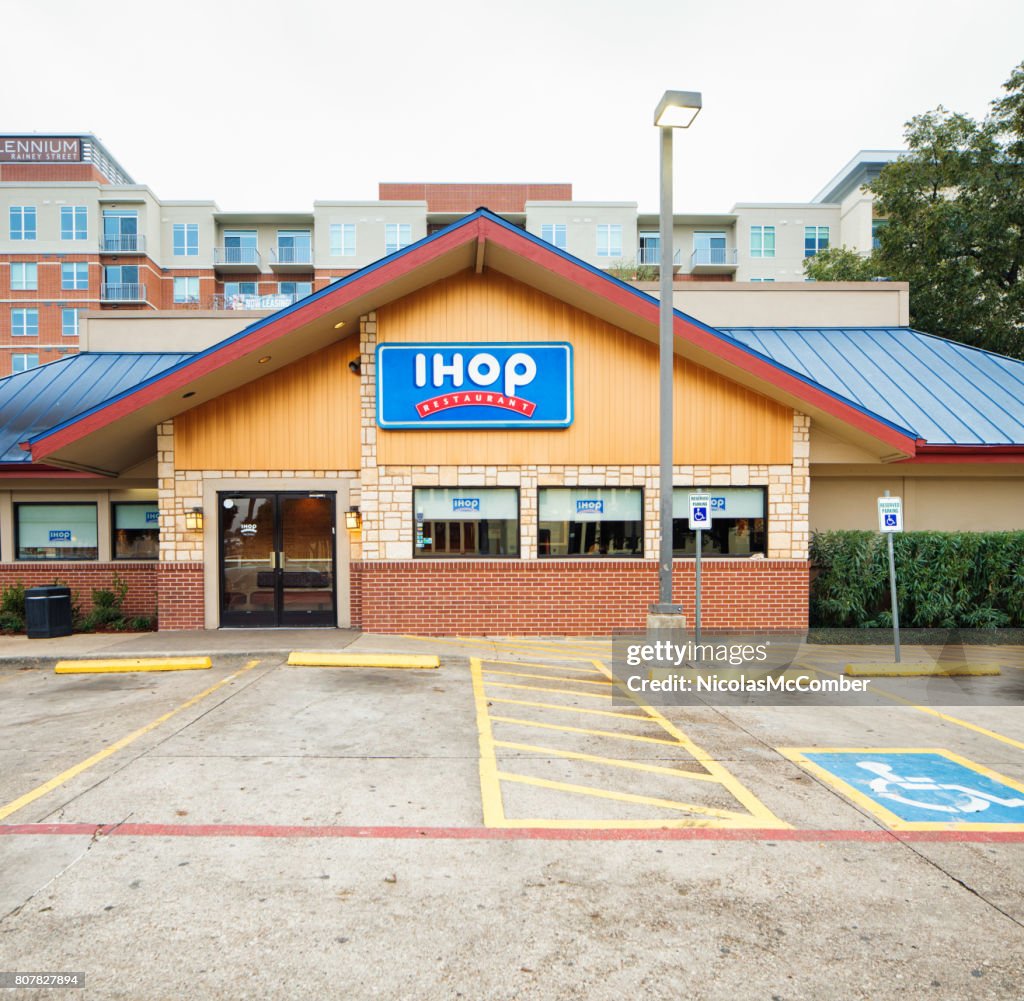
[(949, 580)]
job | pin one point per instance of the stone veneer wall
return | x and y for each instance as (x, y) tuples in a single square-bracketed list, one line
[(392, 591)]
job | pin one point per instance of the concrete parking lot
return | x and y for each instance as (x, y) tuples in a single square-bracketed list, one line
[(497, 828)]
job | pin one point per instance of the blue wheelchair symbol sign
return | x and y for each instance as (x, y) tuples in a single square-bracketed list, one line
[(890, 520), (700, 514)]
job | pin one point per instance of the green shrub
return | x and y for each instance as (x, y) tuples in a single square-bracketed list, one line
[(107, 608), (12, 608), (946, 580)]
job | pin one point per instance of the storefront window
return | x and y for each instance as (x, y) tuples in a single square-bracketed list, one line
[(136, 531), (466, 521), (590, 521), (55, 531), (738, 523)]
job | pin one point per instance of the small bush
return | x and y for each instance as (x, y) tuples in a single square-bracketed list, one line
[(12, 609), (948, 580)]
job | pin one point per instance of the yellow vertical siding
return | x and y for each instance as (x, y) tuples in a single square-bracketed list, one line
[(616, 388), (305, 416)]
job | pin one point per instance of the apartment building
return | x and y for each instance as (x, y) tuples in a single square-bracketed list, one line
[(78, 233)]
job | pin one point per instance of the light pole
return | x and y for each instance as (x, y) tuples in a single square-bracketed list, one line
[(676, 110)]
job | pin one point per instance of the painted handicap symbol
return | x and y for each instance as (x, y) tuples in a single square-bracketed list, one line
[(947, 797), (700, 514), (890, 521)]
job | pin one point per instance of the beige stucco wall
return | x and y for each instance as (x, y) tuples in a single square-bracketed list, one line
[(933, 499)]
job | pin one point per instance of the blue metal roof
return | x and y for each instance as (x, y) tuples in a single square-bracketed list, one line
[(945, 392), (33, 401)]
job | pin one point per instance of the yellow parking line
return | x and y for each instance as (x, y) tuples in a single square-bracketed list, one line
[(70, 773), (641, 766), (956, 721), (490, 787), (555, 691), (623, 797), (719, 771), (575, 709), (545, 677), (579, 729), (546, 666), (659, 824)]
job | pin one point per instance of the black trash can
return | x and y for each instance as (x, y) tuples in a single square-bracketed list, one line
[(47, 612)]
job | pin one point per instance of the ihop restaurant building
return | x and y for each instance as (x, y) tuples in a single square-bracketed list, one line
[(462, 438)]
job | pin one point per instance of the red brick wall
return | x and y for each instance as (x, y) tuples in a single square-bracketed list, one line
[(568, 597), (467, 197), (83, 578), (180, 596)]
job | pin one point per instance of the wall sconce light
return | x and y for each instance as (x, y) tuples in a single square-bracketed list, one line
[(194, 519), (353, 519), (353, 366)]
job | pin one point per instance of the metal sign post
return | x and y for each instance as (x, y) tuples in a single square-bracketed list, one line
[(890, 521), (700, 518)]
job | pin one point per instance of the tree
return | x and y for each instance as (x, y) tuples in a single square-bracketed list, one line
[(954, 211), (841, 264)]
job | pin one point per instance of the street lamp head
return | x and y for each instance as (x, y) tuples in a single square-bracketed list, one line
[(677, 109)]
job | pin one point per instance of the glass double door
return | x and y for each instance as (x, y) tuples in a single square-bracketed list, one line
[(277, 558)]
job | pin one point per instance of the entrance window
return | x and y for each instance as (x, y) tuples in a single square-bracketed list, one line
[(294, 246), (738, 523), (466, 521), (650, 248), (55, 531), (136, 531), (590, 521), (277, 559), (240, 247)]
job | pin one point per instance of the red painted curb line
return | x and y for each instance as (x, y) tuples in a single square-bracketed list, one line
[(503, 834)]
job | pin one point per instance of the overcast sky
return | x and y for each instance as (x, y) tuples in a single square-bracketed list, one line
[(270, 105)]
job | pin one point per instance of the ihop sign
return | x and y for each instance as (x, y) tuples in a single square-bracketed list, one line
[(475, 385)]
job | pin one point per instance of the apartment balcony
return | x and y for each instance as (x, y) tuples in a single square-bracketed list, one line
[(271, 300), (291, 259), (122, 243), (714, 261), (650, 257), (122, 293), (228, 259)]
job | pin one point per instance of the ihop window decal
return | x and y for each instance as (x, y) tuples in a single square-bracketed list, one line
[(475, 385)]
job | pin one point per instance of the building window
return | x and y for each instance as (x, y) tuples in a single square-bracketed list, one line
[(297, 290), (738, 523), (186, 239), (650, 248), (55, 531), (22, 363), (294, 246), (136, 531), (69, 322), (121, 231), (23, 222), (590, 521), (25, 322), (397, 236), (186, 290), (343, 239), (74, 275), (24, 276), (815, 240), (466, 521), (121, 281), (709, 249), (762, 279), (74, 222), (877, 225), (554, 233), (762, 241), (609, 239)]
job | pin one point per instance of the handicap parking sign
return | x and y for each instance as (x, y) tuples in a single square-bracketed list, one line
[(890, 514), (890, 521), (700, 511)]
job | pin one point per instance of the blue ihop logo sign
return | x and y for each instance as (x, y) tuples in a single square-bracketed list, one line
[(476, 385)]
